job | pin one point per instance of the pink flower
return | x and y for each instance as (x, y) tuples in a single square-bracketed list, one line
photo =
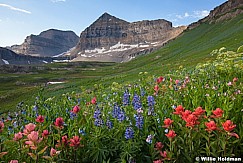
[(45, 133), (29, 128), (59, 122), (229, 84), (198, 111), (1, 126), (185, 114), (167, 122), (14, 161), (235, 79), (157, 161), (177, 82), (75, 142), (18, 136), (156, 88), (228, 126), (40, 119), (191, 120), (163, 154), (33, 140), (218, 113), (234, 134), (159, 145), (178, 110), (211, 126), (93, 101), (160, 79), (54, 152), (171, 134), (76, 109)]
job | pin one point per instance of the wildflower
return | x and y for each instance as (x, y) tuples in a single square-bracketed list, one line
[(29, 128), (98, 122), (171, 134), (126, 97), (178, 110), (129, 133), (185, 114), (121, 116), (167, 122), (40, 119), (159, 146), (59, 122), (151, 103), (235, 135), (198, 111), (163, 154), (177, 82), (33, 140), (228, 126), (45, 133), (1, 126), (97, 114), (157, 161), (235, 79), (18, 136), (149, 139), (136, 102), (35, 108), (159, 80), (93, 101), (54, 152), (218, 113), (14, 161), (139, 121), (80, 131), (116, 111), (109, 124), (211, 126), (156, 88), (229, 84), (72, 115), (191, 120), (63, 143), (75, 142), (76, 109)]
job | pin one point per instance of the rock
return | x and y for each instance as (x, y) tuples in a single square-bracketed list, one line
[(225, 11), (8, 57), (48, 43), (116, 40)]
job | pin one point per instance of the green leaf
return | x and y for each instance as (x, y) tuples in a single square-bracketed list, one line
[(33, 156), (47, 158), (42, 151)]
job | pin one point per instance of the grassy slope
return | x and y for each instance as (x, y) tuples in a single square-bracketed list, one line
[(190, 48)]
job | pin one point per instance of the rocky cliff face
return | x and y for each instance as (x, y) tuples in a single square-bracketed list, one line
[(226, 11), (9, 57), (48, 43), (112, 39)]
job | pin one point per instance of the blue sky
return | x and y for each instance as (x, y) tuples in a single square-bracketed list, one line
[(20, 18)]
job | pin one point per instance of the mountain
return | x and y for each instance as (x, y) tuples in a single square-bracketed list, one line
[(116, 40), (48, 43), (224, 12), (9, 57)]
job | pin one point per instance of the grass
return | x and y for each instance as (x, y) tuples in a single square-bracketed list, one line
[(192, 47)]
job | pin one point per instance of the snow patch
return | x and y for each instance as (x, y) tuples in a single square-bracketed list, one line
[(54, 82), (45, 62), (60, 60), (5, 61)]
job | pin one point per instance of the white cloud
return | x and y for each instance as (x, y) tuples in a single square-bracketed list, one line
[(200, 14), (195, 14), (54, 1), (14, 8)]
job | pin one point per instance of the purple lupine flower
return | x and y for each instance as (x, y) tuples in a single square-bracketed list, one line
[(129, 133), (97, 113), (98, 122), (72, 115), (121, 116), (126, 97), (142, 92), (109, 124), (116, 111), (139, 120), (150, 105), (149, 139), (136, 102)]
